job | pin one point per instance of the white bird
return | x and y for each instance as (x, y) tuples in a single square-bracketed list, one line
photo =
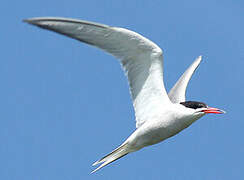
[(158, 115)]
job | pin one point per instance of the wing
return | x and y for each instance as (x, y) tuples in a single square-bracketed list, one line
[(177, 93), (141, 59)]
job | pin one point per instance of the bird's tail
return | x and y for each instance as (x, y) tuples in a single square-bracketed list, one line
[(114, 155)]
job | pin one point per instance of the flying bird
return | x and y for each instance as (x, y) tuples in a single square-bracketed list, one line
[(158, 115)]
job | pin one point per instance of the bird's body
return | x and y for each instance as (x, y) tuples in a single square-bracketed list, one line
[(164, 125), (158, 115)]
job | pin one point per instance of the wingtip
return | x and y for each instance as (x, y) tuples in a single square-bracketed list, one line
[(25, 20), (41, 22), (30, 20), (35, 20), (200, 57)]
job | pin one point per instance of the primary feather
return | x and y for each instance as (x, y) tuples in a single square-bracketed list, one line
[(158, 116), (178, 93), (141, 58)]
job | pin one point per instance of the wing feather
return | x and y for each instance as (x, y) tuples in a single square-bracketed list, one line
[(177, 93), (141, 59)]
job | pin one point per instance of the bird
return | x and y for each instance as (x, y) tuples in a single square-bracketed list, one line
[(159, 115)]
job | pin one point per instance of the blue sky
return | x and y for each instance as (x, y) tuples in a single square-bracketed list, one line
[(65, 104)]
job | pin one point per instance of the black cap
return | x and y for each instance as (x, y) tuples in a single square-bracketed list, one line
[(194, 104)]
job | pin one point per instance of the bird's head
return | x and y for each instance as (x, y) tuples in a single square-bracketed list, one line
[(201, 108)]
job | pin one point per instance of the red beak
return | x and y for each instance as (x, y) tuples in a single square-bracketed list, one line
[(213, 110)]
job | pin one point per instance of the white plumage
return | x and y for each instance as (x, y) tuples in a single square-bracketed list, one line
[(158, 115)]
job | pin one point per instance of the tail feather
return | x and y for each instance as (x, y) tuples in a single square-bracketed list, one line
[(113, 156)]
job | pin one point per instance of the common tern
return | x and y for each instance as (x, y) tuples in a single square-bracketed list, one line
[(158, 115)]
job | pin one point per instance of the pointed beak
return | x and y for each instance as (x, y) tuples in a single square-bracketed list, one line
[(213, 110)]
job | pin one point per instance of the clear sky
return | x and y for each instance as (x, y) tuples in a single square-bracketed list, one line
[(64, 104)]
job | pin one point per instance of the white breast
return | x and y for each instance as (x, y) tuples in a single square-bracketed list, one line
[(168, 124)]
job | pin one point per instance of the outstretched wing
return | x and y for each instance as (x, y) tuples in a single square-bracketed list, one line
[(141, 59), (177, 93)]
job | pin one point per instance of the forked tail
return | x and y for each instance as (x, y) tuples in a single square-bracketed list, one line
[(114, 155)]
